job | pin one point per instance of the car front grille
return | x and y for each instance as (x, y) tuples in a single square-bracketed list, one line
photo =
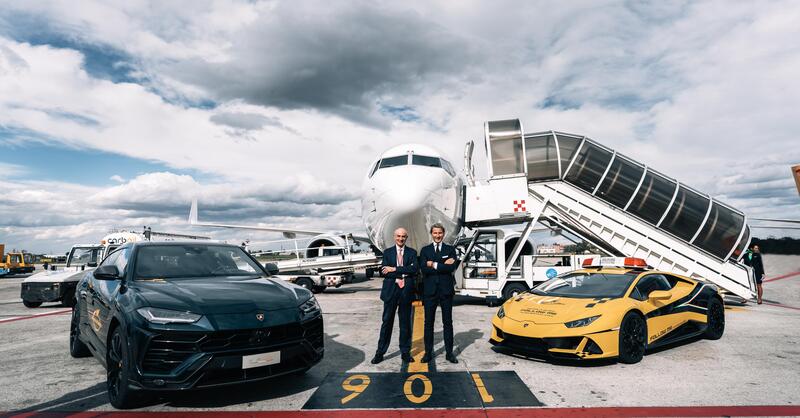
[(167, 350), (534, 345)]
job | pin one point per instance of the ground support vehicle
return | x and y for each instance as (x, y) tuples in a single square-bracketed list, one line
[(612, 308), (314, 283), (59, 285), (485, 256), (15, 262), (620, 206), (334, 270), (171, 316)]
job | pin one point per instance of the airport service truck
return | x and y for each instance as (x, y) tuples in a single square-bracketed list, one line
[(15, 262), (483, 261), (332, 267), (58, 284)]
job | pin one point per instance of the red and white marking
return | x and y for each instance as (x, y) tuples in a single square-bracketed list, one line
[(19, 318), (519, 206)]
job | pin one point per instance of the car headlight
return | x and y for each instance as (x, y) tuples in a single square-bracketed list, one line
[(309, 309), (167, 316), (581, 322), (501, 313)]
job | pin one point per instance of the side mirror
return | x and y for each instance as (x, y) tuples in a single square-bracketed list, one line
[(660, 294), (107, 272), (271, 268)]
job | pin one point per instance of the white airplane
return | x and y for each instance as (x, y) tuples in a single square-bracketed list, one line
[(411, 186)]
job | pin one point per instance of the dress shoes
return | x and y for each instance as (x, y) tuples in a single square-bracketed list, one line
[(407, 358), (426, 358), (451, 358), (377, 359)]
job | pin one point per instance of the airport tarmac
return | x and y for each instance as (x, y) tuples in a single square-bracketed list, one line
[(756, 363)]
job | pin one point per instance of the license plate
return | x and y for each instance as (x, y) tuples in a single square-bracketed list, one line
[(260, 360)]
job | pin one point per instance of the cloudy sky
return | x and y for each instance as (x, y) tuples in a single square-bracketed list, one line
[(115, 114)]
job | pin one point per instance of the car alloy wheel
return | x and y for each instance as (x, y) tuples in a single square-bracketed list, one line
[(632, 338), (119, 393)]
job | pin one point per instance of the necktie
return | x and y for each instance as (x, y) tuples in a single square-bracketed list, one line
[(436, 252), (400, 282)]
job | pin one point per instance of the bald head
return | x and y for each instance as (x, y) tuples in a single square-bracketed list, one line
[(400, 236)]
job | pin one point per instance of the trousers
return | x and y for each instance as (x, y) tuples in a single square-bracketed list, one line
[(396, 304), (430, 303)]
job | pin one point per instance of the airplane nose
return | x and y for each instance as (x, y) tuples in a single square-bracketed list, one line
[(408, 198)]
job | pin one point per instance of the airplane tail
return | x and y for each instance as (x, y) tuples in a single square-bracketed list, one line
[(193, 212)]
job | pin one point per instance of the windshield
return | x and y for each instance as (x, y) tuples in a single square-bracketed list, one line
[(393, 161), (84, 255), (426, 161), (587, 285), (180, 261)]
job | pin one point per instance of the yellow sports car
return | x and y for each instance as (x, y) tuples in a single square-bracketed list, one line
[(613, 307)]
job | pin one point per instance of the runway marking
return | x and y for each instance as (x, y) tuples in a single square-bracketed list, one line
[(785, 276), (633, 411), (501, 389), (781, 306), (418, 340), (20, 318)]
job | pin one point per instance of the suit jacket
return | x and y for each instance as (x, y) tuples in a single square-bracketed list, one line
[(409, 269), (439, 280)]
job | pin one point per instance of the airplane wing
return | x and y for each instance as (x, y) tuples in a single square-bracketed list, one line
[(287, 232), (789, 221)]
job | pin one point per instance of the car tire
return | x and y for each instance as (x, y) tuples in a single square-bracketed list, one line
[(306, 283), (119, 392), (513, 289), (29, 304), (632, 338), (77, 348), (318, 289), (369, 273), (715, 320)]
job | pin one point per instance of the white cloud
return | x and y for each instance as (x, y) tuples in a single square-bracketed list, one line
[(117, 178)]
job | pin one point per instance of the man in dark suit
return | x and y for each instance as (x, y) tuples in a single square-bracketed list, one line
[(438, 261), (399, 268)]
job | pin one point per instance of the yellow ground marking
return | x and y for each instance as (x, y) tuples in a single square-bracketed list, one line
[(487, 398), (356, 389), (417, 340), (735, 309), (427, 388)]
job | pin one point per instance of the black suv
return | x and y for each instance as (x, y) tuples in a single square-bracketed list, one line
[(165, 316)]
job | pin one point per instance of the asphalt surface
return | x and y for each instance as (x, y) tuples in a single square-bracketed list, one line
[(755, 363)]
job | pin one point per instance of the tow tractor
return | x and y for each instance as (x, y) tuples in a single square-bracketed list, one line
[(15, 262)]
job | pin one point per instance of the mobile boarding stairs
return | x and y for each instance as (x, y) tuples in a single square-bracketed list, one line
[(621, 206)]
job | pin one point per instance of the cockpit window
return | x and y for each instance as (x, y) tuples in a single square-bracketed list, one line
[(393, 161), (426, 161), (374, 168), (449, 168)]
